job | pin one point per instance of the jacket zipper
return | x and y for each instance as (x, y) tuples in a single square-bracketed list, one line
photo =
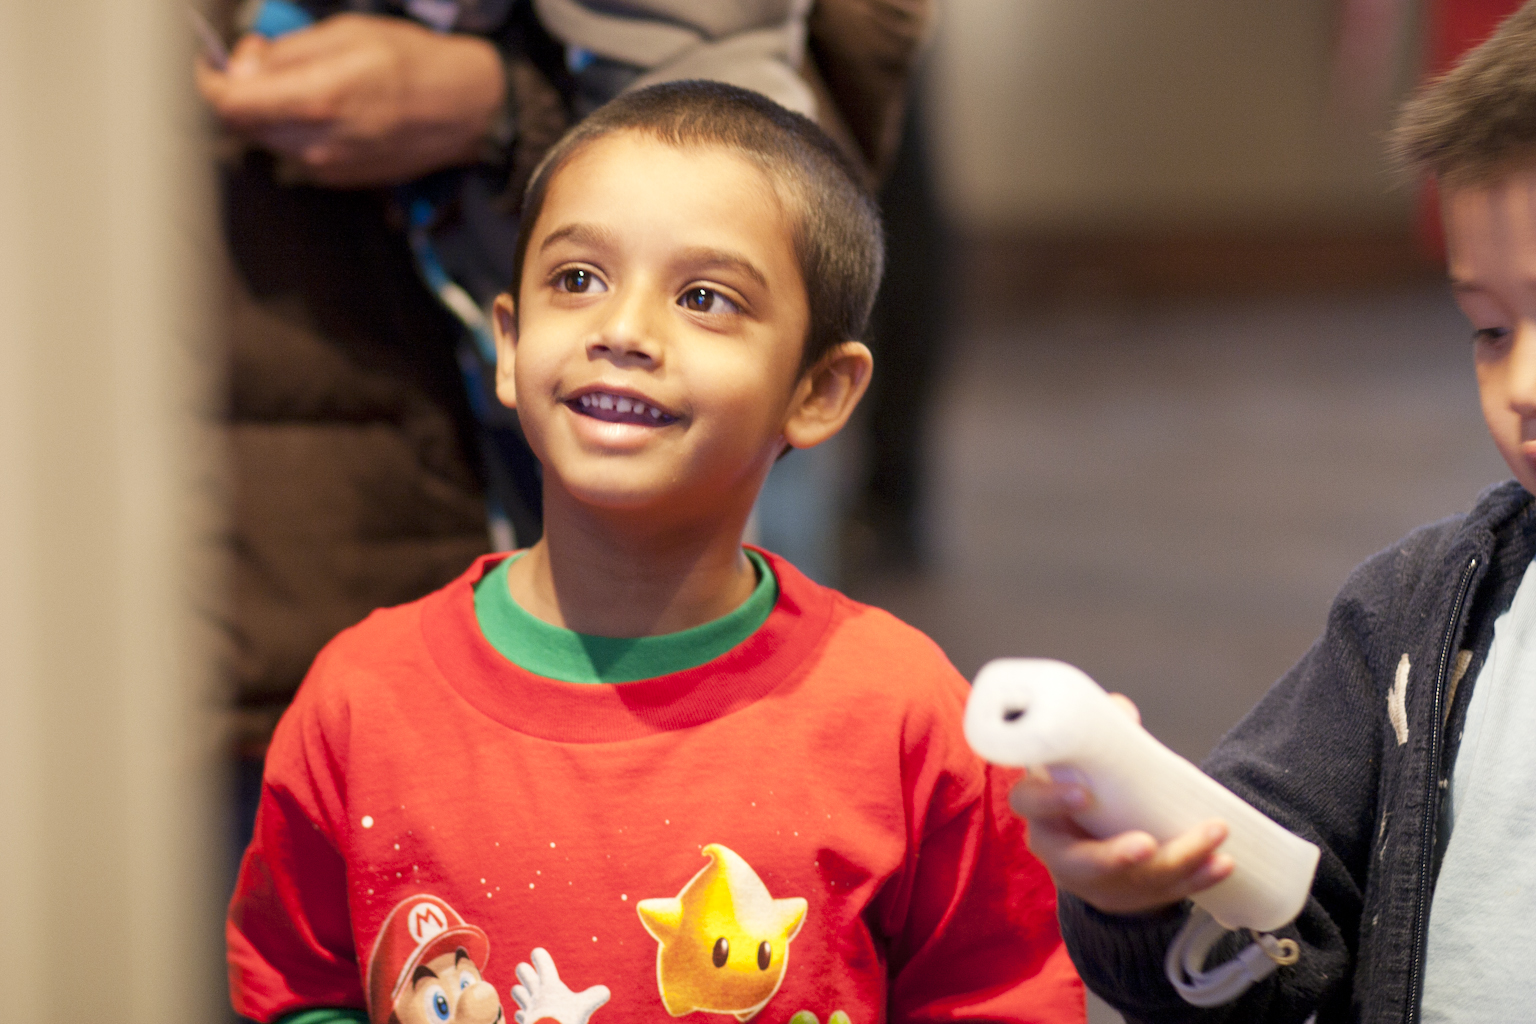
[(1432, 800)]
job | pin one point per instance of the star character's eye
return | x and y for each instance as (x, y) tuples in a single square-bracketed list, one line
[(764, 956), (436, 1003), (722, 950)]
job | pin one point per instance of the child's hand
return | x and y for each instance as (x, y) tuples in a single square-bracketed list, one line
[(1125, 874)]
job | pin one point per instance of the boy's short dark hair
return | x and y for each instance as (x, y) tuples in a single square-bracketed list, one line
[(838, 241), (1478, 120)]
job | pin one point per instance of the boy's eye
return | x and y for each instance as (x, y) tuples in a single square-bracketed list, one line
[(706, 300), (578, 281), (1490, 335)]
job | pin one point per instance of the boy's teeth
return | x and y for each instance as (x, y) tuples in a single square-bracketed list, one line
[(620, 403)]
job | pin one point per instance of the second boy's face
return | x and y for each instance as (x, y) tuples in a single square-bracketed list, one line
[(659, 326), (1491, 246)]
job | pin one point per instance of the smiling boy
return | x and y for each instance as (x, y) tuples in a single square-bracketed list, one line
[(694, 779), (1401, 742)]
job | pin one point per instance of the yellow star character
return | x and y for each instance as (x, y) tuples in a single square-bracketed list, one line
[(724, 939)]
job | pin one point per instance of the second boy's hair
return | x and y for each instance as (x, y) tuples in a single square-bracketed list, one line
[(1476, 121), (837, 237)]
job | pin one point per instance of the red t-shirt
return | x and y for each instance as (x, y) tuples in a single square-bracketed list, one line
[(795, 828)]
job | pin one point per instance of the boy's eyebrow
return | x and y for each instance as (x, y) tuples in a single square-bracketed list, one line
[(581, 234), (705, 258), (1461, 286)]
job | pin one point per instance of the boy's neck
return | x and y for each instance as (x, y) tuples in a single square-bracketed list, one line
[(608, 573)]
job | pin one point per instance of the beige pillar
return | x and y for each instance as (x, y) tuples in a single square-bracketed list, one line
[(108, 887)]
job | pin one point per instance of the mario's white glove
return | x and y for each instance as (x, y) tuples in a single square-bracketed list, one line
[(541, 994)]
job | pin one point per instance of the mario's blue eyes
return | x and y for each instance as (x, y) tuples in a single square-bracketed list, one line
[(436, 1004), (465, 980)]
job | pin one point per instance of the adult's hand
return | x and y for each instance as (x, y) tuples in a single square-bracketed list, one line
[(361, 100)]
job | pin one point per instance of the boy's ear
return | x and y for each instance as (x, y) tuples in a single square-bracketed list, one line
[(827, 395), (504, 323)]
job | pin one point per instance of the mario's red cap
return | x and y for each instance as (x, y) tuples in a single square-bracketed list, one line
[(417, 930)]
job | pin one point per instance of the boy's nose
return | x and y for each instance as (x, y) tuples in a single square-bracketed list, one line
[(630, 332), (1521, 374)]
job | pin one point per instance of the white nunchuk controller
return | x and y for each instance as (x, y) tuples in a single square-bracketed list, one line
[(1030, 712)]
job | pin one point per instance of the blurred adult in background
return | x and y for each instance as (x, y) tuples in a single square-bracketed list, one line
[(354, 453), (375, 143)]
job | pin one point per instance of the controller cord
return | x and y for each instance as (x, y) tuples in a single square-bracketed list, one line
[(1185, 964)]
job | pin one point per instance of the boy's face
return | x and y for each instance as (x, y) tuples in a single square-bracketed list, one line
[(654, 349), (1491, 244)]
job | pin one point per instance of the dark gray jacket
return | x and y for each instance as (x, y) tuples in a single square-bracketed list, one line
[(1322, 755)]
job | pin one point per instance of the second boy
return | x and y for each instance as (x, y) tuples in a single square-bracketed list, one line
[(1401, 742)]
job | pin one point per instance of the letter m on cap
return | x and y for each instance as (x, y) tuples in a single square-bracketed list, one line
[(426, 920)]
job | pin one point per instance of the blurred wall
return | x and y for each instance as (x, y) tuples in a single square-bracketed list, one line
[(1056, 115), (105, 727)]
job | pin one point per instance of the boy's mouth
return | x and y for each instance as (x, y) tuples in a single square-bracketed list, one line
[(615, 408)]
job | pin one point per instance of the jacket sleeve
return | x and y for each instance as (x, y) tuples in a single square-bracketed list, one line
[(865, 52), (535, 112), (971, 922), (1308, 756), (289, 932)]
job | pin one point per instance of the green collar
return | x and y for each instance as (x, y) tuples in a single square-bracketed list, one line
[(555, 653)]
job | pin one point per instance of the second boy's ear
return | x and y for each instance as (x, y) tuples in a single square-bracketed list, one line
[(504, 323), (827, 395)]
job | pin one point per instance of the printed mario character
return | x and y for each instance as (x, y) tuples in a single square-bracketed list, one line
[(425, 968)]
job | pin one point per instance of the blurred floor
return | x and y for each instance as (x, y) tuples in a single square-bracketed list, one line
[(1169, 495)]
